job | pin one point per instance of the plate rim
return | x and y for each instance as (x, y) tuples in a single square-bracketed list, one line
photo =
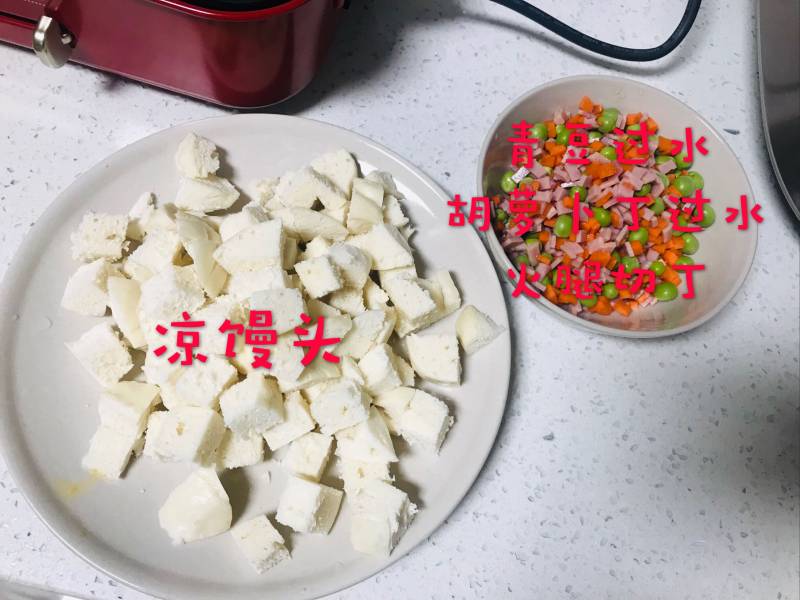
[(16, 452), (502, 260)]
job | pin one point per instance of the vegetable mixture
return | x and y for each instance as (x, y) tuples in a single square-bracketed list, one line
[(556, 256)]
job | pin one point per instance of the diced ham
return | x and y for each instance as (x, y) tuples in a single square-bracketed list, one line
[(666, 234), (666, 166), (651, 255), (538, 170), (573, 171), (572, 249), (621, 234), (545, 182), (629, 249)]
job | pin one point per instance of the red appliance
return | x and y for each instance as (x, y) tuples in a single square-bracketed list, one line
[(239, 53)]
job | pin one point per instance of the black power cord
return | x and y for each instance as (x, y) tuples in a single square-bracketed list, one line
[(600, 47)]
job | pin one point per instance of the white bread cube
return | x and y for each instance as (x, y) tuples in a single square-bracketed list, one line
[(166, 296), (318, 308), (159, 250), (247, 217), (319, 276), (237, 451), (205, 195), (369, 441), (348, 300), (200, 241), (318, 371), (196, 157), (338, 214), (319, 246), (388, 274), (123, 299), (336, 326), (378, 367), (306, 224), (253, 248), (405, 370), (394, 404), (242, 285), (155, 422), (370, 190), (381, 515), (286, 358), (355, 474), (253, 406), (263, 193), (139, 214), (109, 452), (291, 251), (451, 298), (126, 406), (350, 370), (353, 264), (339, 167), (386, 180), (374, 297), (342, 404), (201, 383), (298, 422), (370, 329), (435, 357), (214, 314), (363, 214), (393, 212), (414, 303), (260, 543), (303, 188), (99, 235), (86, 292), (425, 422), (286, 306), (197, 509), (308, 507), (308, 455), (386, 247), (102, 353), (475, 329), (186, 434)]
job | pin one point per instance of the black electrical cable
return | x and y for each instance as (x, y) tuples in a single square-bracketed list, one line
[(600, 47)]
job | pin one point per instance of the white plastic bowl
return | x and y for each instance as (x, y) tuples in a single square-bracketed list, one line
[(726, 251)]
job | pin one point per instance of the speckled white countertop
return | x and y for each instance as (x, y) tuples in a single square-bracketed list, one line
[(666, 470)]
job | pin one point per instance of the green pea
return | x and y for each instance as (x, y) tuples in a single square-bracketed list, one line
[(666, 291), (602, 216), (581, 192), (595, 136), (522, 259), (644, 190), (685, 186), (610, 291), (709, 216), (664, 179), (588, 302), (658, 206), (699, 182), (664, 158), (562, 137), (609, 152), (640, 235), (563, 226), (683, 223), (630, 263), (507, 184), (685, 260), (607, 120), (501, 215), (615, 256), (531, 241), (690, 243), (682, 160), (658, 267), (539, 131), (548, 279)]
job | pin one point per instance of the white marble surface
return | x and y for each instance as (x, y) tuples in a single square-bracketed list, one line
[(623, 469)]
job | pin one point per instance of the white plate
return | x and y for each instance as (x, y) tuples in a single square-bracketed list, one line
[(48, 408)]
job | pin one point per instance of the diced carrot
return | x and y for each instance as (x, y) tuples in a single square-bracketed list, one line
[(572, 236), (600, 170), (568, 201), (554, 148), (559, 243), (644, 297), (586, 104), (550, 222), (576, 118), (653, 234), (633, 119), (567, 298), (622, 307), (550, 294), (548, 160), (627, 167), (498, 225), (603, 306), (660, 248), (596, 146), (664, 145), (598, 108), (600, 256), (566, 260), (551, 129), (676, 243), (652, 125), (496, 200), (671, 276), (543, 258), (670, 256), (616, 220), (601, 201), (673, 191), (534, 186), (544, 236), (625, 294), (637, 248)]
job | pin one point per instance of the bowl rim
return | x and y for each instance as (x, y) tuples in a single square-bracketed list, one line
[(504, 263)]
